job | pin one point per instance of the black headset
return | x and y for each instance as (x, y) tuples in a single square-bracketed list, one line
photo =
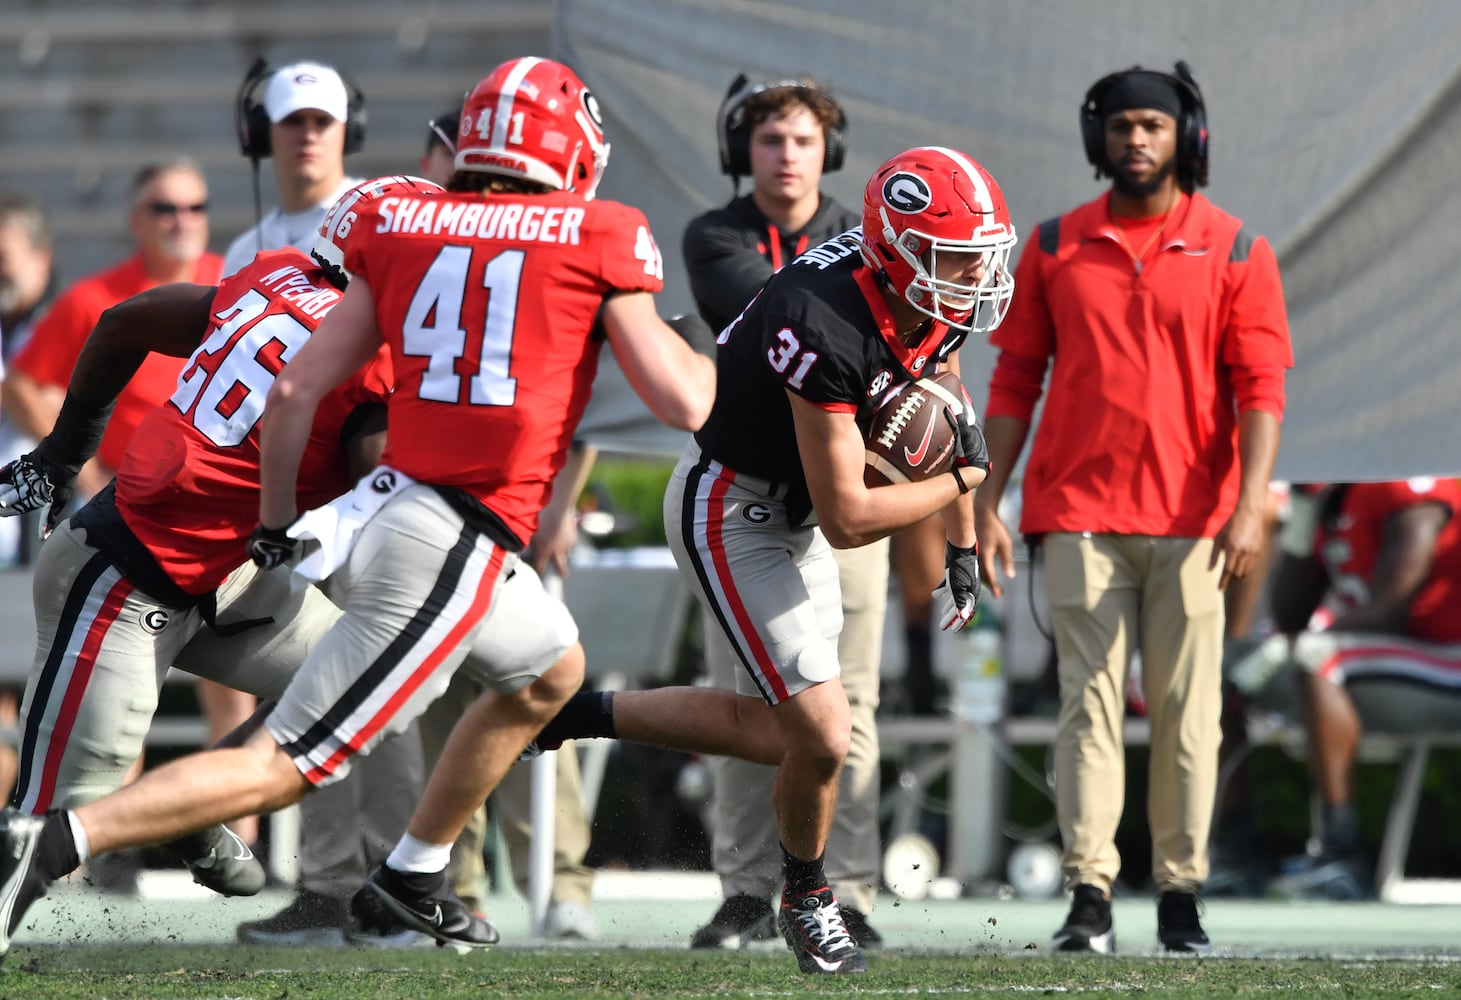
[(252, 119), (735, 132), (1191, 124)]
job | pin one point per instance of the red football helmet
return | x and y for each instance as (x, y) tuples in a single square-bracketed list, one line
[(932, 200), (334, 235), (534, 118)]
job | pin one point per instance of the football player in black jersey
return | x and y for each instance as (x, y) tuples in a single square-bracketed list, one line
[(774, 480), (785, 134)]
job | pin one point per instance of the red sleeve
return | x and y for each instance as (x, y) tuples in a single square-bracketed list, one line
[(1256, 342), (1027, 329), (1015, 386), (376, 379), (53, 348), (1259, 388), (629, 258)]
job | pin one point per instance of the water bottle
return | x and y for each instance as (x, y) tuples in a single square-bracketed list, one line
[(977, 776), (979, 693)]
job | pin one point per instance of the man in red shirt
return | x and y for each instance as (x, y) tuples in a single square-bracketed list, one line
[(169, 223), (1147, 477), (1366, 600)]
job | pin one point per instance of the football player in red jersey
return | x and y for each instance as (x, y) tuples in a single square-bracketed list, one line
[(147, 575), (486, 298), (1374, 572)]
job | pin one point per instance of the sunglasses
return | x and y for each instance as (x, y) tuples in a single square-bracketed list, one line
[(162, 208)]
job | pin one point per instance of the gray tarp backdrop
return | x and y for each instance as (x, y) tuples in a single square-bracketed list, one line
[(1336, 133)]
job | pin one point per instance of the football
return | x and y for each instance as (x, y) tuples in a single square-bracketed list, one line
[(910, 439)]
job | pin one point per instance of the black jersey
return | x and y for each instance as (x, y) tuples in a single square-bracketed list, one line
[(731, 251), (819, 328)]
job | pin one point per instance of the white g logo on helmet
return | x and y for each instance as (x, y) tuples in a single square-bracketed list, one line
[(906, 193)]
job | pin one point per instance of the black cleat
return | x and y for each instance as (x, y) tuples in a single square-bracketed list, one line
[(379, 910), (866, 936), (1088, 926), (1178, 928), (228, 867), (816, 933), (312, 919), (740, 920), (21, 881)]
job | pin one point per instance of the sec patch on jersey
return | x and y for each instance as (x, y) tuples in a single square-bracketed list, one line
[(910, 439)]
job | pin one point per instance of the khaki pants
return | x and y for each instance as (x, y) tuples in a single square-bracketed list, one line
[(1110, 594), (746, 849)]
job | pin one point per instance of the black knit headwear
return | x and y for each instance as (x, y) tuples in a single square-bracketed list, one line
[(1142, 89)]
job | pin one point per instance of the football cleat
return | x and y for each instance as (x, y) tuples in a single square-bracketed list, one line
[(229, 868), (21, 881), (740, 920), (378, 909), (815, 932)]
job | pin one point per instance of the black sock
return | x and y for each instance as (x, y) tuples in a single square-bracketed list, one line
[(918, 679), (587, 715), (57, 848), (413, 885), (1341, 830), (802, 876)]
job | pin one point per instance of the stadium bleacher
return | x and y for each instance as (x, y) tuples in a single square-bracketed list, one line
[(99, 91)]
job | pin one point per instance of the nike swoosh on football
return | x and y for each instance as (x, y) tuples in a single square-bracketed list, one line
[(915, 459)]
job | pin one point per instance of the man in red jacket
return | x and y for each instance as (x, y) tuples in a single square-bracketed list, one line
[(1147, 477)]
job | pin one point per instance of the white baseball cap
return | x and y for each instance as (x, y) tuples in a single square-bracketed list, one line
[(305, 85)]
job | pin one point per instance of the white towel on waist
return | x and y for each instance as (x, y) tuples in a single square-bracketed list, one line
[(328, 533)]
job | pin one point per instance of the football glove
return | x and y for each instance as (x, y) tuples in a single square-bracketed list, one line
[(957, 598), (31, 482), (270, 548), (969, 446)]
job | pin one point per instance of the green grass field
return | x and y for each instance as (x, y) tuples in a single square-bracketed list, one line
[(176, 941), (51, 973)]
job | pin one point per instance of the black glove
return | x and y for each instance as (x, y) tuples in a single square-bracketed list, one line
[(970, 451), (694, 331), (958, 595), (32, 481), (271, 547)]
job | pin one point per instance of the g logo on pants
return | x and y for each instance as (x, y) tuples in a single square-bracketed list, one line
[(756, 513), (154, 621)]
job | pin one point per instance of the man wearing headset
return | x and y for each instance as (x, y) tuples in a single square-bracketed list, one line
[(785, 135), (1147, 479), (305, 118)]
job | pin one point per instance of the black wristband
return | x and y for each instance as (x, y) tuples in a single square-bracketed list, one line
[(954, 471)]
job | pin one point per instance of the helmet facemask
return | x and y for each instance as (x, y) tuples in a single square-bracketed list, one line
[(973, 308)]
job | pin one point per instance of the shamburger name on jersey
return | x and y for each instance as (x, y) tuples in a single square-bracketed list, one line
[(482, 220)]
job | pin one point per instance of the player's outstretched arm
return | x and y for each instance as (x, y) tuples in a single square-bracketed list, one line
[(676, 384), (171, 319)]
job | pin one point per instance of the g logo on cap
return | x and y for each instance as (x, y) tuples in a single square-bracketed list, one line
[(906, 193)]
